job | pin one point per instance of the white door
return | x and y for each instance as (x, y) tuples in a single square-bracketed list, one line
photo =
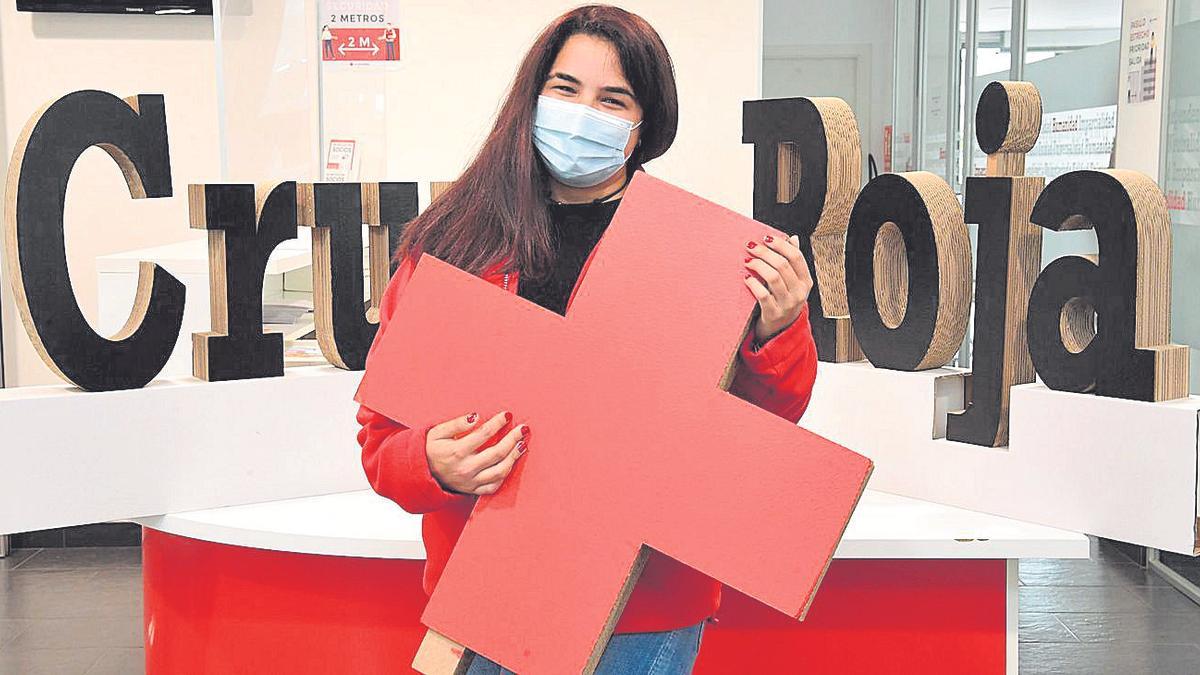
[(843, 71), (812, 76)]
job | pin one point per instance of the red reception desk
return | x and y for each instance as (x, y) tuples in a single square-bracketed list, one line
[(332, 584)]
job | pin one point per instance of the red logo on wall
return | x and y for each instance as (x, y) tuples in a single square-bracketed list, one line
[(361, 44)]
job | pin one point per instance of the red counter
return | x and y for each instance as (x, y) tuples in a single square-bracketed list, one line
[(213, 606)]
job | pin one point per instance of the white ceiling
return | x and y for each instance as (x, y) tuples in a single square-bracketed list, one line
[(996, 15)]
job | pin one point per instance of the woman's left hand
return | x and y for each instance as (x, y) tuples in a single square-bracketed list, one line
[(778, 263)]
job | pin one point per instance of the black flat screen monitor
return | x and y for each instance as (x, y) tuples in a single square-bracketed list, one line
[(162, 7)]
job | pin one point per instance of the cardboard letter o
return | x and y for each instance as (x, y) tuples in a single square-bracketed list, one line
[(926, 325)]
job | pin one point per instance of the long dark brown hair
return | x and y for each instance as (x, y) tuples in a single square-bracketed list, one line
[(498, 209)]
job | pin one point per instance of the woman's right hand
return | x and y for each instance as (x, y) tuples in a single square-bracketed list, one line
[(458, 463)]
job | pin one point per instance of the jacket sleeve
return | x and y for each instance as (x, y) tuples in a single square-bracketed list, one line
[(779, 376), (393, 455)]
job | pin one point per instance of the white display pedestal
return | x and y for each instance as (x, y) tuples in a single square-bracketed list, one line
[(1121, 469), (75, 457)]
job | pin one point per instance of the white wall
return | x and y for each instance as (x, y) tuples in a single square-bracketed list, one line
[(458, 60), (846, 26)]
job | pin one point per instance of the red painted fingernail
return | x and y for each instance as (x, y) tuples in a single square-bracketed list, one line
[(471, 418), (507, 417), (748, 258), (747, 275), (521, 447), (750, 244), (768, 239), (524, 430)]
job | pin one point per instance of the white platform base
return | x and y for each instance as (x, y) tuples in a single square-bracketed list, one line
[(71, 457), (1110, 467)]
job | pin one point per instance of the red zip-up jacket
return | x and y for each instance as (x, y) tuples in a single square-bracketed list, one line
[(777, 377)]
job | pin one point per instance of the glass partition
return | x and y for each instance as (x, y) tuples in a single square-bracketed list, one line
[(1181, 173), (939, 72), (900, 153), (1072, 55), (268, 89), (992, 61), (1180, 181), (269, 108)]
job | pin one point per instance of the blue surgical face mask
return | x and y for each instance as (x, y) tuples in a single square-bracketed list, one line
[(581, 146)]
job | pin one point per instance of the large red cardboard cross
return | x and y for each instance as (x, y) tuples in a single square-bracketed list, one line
[(634, 443)]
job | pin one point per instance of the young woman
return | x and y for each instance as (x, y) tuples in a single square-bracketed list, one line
[(593, 99)]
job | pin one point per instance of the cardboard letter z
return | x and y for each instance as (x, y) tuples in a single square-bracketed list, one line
[(634, 442)]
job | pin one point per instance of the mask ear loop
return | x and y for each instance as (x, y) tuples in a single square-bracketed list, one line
[(628, 173)]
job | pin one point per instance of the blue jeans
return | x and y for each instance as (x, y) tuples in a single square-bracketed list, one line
[(670, 652)]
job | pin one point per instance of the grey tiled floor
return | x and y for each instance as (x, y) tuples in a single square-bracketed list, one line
[(1104, 615), (79, 612), (71, 611)]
